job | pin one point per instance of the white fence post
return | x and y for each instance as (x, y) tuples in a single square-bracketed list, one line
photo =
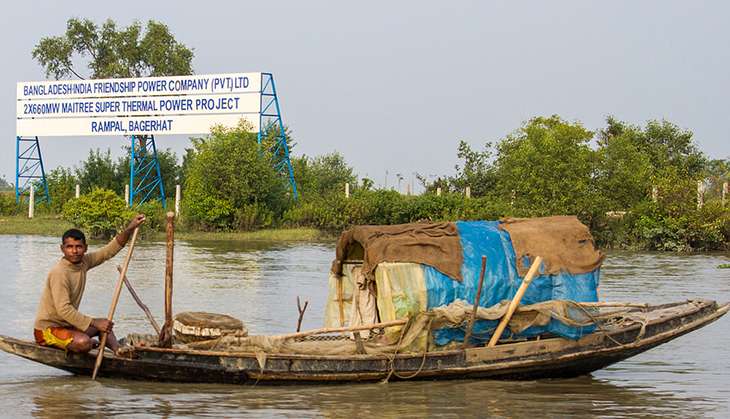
[(654, 194), (177, 200), (347, 189), (78, 191), (438, 191), (126, 194), (724, 193), (700, 194), (467, 192), (31, 202)]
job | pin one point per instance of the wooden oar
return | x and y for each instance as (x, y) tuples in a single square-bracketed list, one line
[(515, 301), (467, 336), (115, 300), (139, 302)]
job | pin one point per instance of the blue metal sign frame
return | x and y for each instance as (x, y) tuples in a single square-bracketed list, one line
[(28, 161), (145, 177)]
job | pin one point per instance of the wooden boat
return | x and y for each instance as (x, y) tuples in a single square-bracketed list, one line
[(615, 340)]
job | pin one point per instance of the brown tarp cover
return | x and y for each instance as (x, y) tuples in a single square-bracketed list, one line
[(437, 245), (563, 241)]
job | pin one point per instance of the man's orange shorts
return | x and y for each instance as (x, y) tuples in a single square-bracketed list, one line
[(58, 337)]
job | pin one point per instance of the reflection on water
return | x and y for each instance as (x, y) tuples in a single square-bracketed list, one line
[(259, 282), (52, 397)]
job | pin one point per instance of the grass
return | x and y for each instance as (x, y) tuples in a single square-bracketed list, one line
[(724, 266), (45, 225), (53, 225), (269, 235)]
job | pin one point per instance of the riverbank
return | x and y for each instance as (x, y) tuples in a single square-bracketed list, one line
[(41, 225), (53, 225)]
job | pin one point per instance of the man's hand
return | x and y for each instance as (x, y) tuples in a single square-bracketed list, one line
[(136, 221), (103, 325)]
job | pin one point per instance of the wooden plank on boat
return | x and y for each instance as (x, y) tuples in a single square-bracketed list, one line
[(530, 348)]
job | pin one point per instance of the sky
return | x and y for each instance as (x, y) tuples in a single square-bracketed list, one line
[(394, 86)]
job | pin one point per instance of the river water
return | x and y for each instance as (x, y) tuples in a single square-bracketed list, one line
[(259, 283)]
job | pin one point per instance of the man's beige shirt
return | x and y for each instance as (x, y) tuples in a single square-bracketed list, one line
[(59, 306)]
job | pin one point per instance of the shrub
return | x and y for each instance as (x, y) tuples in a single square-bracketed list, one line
[(230, 182), (155, 215), (101, 213), (7, 204)]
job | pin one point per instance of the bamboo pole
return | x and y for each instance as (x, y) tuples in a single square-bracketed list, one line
[(515, 301), (473, 319), (340, 299), (165, 337), (115, 300), (139, 302)]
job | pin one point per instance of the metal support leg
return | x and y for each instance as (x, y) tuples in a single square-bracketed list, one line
[(271, 124), (145, 177), (29, 168)]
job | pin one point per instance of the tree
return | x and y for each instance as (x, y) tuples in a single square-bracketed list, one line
[(323, 175), (717, 172), (114, 52), (230, 182), (101, 212), (476, 171), (98, 171), (664, 143), (549, 165), (61, 187), (624, 170)]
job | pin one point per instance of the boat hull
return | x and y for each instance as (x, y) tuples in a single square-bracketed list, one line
[(546, 358)]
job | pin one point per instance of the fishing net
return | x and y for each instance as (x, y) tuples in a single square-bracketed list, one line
[(416, 335)]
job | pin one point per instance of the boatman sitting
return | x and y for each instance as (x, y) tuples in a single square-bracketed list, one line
[(58, 322)]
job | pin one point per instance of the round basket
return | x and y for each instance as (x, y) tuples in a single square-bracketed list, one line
[(196, 326)]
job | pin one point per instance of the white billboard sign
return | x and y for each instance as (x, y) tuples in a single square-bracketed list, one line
[(138, 106)]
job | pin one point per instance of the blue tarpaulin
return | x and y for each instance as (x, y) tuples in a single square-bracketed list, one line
[(501, 281)]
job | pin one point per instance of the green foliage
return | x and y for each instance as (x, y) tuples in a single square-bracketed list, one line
[(98, 171), (61, 187), (549, 166), (229, 171), (323, 175), (7, 204), (705, 229), (114, 52), (476, 171), (155, 215), (101, 213), (334, 212), (623, 172)]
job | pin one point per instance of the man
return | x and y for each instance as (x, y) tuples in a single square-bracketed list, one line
[(58, 322)]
